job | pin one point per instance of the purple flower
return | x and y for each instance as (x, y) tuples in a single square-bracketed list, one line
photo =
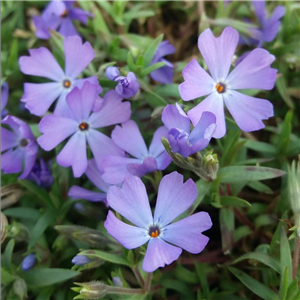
[(41, 174), (17, 146), (166, 240), (80, 260), (4, 99), (127, 86), (179, 136), (129, 138), (81, 125), (253, 72), (94, 175), (164, 74), (117, 281), (59, 15), (28, 262), (112, 73), (40, 96)]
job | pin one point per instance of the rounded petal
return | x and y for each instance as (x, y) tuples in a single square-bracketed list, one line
[(77, 55), (9, 139), (42, 31), (186, 233), (197, 82), (248, 112), (55, 129), (173, 198), (163, 75), (163, 49), (77, 192), (149, 165), (218, 52), (129, 236), (158, 254), (42, 63), (131, 201), (214, 104), (74, 154), (253, 72), (173, 118), (39, 96), (11, 161), (156, 146)]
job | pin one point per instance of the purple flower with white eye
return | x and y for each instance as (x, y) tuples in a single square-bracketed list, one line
[(183, 141), (129, 138), (4, 98), (94, 175), (112, 73), (28, 262), (166, 239), (59, 15), (127, 86), (80, 260), (253, 72), (39, 96), (81, 125), (164, 74), (18, 147)]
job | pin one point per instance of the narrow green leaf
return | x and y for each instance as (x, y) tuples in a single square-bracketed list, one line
[(13, 55), (153, 99), (261, 147), (185, 275), (234, 201), (255, 286), (168, 90), (260, 187), (7, 257), (152, 68), (141, 14), (292, 290), (227, 228), (98, 21), (282, 89), (6, 277), (284, 137), (23, 213), (130, 62), (149, 53)]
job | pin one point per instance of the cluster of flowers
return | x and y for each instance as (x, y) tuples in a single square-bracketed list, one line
[(119, 162)]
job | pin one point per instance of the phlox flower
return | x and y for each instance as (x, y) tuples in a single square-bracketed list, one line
[(253, 72), (28, 262), (80, 260), (39, 96), (166, 239), (164, 74), (81, 125), (183, 141), (59, 15), (4, 98), (18, 147), (129, 138)]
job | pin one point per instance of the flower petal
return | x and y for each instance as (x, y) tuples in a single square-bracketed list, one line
[(248, 112), (39, 96), (218, 52), (163, 75), (214, 104), (51, 127), (42, 31), (173, 198), (67, 29), (29, 160), (131, 201), (158, 254), (129, 236), (77, 55), (197, 82), (260, 11), (77, 192), (42, 63), (79, 14), (149, 165), (9, 139), (156, 146), (173, 118), (74, 154), (186, 233), (253, 72), (11, 161)]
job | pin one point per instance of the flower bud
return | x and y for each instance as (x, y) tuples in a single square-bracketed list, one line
[(91, 290), (112, 72), (128, 86), (80, 260), (20, 288), (28, 262), (117, 281)]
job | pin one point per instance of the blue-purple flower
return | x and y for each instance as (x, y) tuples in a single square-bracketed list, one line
[(18, 147), (112, 73), (28, 262), (39, 96), (127, 86), (4, 98), (183, 141), (80, 260), (164, 74), (253, 72), (166, 239), (59, 15), (129, 138), (81, 125)]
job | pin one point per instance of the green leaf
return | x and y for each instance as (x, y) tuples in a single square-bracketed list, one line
[(13, 55), (261, 147), (276, 236), (153, 99), (7, 257), (293, 290), (149, 53), (113, 258), (178, 286), (152, 68), (284, 137), (227, 228), (23, 213), (44, 277), (282, 89), (234, 201), (248, 173), (255, 286), (6, 277), (185, 275), (98, 21), (168, 90), (260, 187), (130, 62)]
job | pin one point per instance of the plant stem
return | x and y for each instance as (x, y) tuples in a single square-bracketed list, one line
[(147, 285), (296, 256), (138, 276)]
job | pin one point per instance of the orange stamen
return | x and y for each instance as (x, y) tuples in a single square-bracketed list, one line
[(154, 234), (83, 126), (67, 83)]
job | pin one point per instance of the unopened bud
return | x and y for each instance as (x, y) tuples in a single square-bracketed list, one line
[(80, 260), (28, 262), (117, 281), (211, 164), (91, 290), (112, 72), (18, 231)]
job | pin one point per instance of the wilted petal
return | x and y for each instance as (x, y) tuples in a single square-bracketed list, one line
[(174, 197), (248, 112), (77, 192), (129, 236)]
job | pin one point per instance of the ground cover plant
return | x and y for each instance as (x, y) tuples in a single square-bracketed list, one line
[(150, 150)]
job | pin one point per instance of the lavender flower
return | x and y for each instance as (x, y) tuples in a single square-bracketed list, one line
[(129, 138), (81, 125), (17, 146), (179, 136), (164, 74), (40, 96), (112, 72), (59, 15), (4, 98), (127, 86), (41, 174), (28, 262), (80, 260), (253, 72), (94, 175), (166, 240)]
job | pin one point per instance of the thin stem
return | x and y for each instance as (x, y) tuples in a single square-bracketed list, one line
[(148, 282), (296, 256), (123, 291), (138, 276)]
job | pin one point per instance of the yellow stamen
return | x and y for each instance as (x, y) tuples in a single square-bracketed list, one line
[(154, 234), (83, 126)]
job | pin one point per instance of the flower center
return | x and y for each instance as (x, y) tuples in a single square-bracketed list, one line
[(221, 88), (124, 82), (65, 14), (24, 142), (67, 83), (83, 126), (154, 231)]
